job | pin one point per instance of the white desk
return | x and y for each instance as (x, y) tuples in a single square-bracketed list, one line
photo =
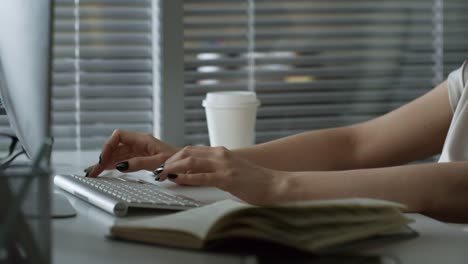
[(437, 243), (82, 240)]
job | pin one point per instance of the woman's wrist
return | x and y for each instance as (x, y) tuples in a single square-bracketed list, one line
[(294, 186), (280, 186)]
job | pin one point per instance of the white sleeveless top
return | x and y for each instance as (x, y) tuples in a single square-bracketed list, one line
[(456, 142)]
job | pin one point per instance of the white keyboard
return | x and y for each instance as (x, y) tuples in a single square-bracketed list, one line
[(115, 195)]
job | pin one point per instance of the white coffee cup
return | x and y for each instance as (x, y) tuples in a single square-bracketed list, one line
[(231, 118)]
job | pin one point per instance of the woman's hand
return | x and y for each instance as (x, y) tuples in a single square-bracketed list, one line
[(131, 151), (219, 167)]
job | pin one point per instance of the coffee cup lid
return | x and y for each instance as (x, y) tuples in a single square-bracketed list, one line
[(230, 98)]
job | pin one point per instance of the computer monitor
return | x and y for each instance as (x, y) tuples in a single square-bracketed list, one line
[(25, 52), (26, 65)]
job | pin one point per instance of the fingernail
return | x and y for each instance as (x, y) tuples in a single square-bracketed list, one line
[(99, 159), (157, 178), (159, 170), (89, 169), (123, 166), (172, 176), (87, 174)]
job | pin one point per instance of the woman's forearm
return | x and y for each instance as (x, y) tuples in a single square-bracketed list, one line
[(326, 149), (412, 132), (436, 189)]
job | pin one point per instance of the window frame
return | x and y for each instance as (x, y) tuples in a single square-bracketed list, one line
[(168, 93)]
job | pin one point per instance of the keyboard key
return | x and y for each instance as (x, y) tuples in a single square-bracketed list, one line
[(135, 193)]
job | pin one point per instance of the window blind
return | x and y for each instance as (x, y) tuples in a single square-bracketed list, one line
[(317, 64), (102, 70), (454, 32)]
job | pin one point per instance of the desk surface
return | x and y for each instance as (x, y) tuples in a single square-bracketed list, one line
[(82, 239)]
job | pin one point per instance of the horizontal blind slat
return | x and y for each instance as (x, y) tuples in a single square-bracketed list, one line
[(104, 69), (317, 63)]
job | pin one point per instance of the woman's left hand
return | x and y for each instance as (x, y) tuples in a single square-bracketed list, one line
[(219, 167)]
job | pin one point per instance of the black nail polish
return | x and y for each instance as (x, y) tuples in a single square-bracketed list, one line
[(87, 174), (123, 166), (100, 159), (172, 176), (159, 170), (157, 178), (89, 169)]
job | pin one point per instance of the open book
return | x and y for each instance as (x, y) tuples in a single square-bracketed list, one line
[(307, 226)]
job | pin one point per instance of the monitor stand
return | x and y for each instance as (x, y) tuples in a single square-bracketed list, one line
[(61, 207)]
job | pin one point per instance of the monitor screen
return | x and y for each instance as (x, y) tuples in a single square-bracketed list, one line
[(25, 44)]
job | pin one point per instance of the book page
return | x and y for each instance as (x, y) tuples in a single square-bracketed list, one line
[(308, 225), (351, 203), (196, 221), (306, 217), (314, 239)]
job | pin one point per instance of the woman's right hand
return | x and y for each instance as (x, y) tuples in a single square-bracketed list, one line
[(130, 151)]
